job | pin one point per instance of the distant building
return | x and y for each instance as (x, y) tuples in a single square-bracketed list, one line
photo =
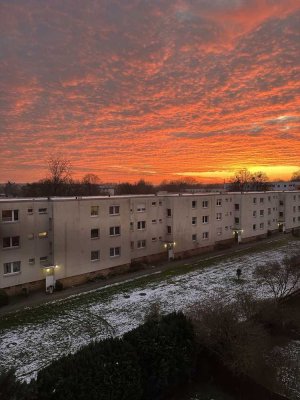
[(79, 238), (290, 185)]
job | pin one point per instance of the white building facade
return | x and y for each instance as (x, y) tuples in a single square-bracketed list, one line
[(76, 239)]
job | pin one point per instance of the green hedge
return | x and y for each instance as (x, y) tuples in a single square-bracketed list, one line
[(146, 363), (166, 352), (100, 371)]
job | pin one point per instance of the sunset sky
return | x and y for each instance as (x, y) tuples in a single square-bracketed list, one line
[(153, 89)]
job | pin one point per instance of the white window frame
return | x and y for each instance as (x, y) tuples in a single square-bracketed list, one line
[(98, 255), (205, 219), (194, 237), (205, 235), (219, 203), (116, 252), (94, 211), (205, 204), (141, 225), (14, 217), (12, 265), (219, 216), (114, 231), (114, 210), (141, 244), (10, 242), (194, 221)]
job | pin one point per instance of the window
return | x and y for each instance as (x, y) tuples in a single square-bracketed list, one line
[(141, 244), (219, 202), (269, 198), (169, 212), (132, 245), (95, 233), (154, 239), (194, 204), (30, 211), (43, 259), (94, 211), (131, 226), (294, 208), (13, 267), (205, 203), (219, 231), (115, 230), (194, 220), (154, 203), (160, 203), (154, 221), (261, 225), (114, 210), (42, 210), (294, 219), (115, 251), (95, 255), (140, 208), (219, 216), (269, 223), (261, 213), (236, 220), (281, 202), (254, 200), (11, 241), (254, 227), (205, 235), (169, 230), (281, 214), (31, 261), (141, 225), (254, 213), (261, 200), (236, 207), (30, 236), (205, 219), (269, 211), (10, 215), (194, 237), (43, 235)]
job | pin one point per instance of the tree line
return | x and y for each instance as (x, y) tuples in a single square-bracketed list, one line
[(59, 182)]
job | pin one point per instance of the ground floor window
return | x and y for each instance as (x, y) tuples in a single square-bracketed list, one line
[(12, 267)]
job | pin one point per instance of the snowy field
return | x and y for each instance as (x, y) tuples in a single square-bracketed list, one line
[(31, 346)]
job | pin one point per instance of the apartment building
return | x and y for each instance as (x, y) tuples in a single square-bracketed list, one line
[(75, 239)]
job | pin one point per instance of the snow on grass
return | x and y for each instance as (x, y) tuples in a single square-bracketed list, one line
[(288, 358), (31, 346)]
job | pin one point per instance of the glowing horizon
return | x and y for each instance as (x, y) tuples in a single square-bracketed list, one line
[(152, 90)]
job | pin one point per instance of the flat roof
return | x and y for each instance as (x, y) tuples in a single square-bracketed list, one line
[(128, 196)]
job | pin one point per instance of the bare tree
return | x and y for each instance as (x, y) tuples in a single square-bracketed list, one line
[(60, 173), (238, 343), (296, 176), (244, 180), (281, 278)]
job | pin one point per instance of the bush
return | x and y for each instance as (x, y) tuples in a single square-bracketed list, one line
[(59, 286), (166, 352), (100, 371), (4, 299)]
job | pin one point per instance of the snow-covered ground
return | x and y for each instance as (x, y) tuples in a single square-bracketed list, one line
[(29, 347)]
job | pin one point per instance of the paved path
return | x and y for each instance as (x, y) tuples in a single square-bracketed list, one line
[(38, 298)]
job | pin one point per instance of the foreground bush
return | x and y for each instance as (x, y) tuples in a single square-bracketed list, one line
[(102, 371), (166, 352)]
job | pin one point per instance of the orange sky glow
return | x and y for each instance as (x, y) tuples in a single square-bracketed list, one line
[(150, 89)]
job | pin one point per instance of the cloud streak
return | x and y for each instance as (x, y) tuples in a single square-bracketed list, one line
[(179, 85)]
